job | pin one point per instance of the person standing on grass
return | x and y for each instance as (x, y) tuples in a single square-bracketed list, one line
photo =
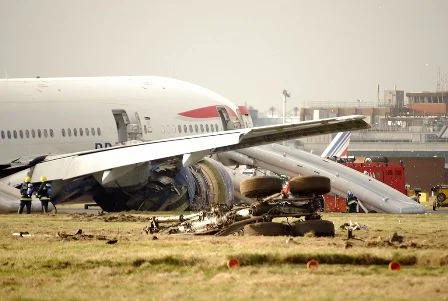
[(352, 202), (44, 193), (26, 191)]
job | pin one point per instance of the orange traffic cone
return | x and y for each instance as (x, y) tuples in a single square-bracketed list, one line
[(312, 264), (233, 263), (394, 266)]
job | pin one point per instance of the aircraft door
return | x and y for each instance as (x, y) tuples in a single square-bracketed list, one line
[(226, 123), (122, 121)]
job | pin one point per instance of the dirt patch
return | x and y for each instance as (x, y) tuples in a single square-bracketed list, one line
[(109, 217)]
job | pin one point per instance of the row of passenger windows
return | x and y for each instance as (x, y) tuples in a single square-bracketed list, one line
[(45, 133), (201, 128)]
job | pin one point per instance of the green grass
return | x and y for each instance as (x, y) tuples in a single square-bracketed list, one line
[(185, 267)]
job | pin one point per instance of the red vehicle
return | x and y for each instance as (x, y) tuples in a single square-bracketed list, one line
[(391, 174)]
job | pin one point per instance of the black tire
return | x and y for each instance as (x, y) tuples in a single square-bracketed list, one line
[(310, 184), (266, 229), (260, 186), (441, 197), (317, 226), (434, 205)]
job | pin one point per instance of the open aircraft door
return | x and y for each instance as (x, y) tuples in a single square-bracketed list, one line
[(227, 123), (126, 129)]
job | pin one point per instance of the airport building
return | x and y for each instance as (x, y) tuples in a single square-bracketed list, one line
[(414, 130)]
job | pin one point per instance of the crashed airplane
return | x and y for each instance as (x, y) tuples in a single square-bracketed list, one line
[(130, 143)]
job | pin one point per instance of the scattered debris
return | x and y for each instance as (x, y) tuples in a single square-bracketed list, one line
[(112, 241), (22, 234), (301, 199), (395, 238), (80, 236), (354, 226)]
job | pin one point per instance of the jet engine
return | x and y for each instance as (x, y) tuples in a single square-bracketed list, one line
[(165, 185)]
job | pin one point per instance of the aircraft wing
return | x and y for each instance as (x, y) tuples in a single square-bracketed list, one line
[(193, 148)]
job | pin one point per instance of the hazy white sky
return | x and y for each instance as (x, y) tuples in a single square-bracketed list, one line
[(246, 50)]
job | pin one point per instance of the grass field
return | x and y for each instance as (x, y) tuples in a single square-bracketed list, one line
[(48, 266)]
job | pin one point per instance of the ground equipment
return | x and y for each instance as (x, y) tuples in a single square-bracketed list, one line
[(441, 193)]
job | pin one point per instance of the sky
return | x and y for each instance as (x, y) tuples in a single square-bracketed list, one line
[(325, 51)]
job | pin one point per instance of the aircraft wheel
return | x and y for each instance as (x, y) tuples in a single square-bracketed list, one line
[(441, 197), (309, 184), (266, 229), (318, 227), (260, 186)]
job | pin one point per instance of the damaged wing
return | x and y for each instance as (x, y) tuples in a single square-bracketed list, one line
[(192, 147)]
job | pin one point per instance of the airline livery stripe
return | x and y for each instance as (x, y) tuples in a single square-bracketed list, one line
[(206, 112)]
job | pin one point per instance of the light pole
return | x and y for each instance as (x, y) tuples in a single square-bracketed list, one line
[(285, 95)]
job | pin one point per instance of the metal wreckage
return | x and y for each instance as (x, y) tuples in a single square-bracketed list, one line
[(299, 204)]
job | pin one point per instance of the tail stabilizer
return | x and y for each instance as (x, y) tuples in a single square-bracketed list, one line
[(338, 146)]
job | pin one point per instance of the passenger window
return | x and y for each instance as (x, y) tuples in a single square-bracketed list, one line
[(63, 132), (69, 132), (145, 129), (45, 133), (190, 127), (87, 131), (206, 128), (179, 128), (21, 134), (33, 133), (39, 133), (15, 134), (3, 134), (216, 127), (185, 128), (75, 132), (196, 128), (51, 133), (98, 130), (212, 128), (93, 131), (202, 128), (27, 133), (81, 132), (9, 134)]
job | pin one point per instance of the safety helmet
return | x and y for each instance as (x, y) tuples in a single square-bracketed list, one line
[(43, 179), (27, 179)]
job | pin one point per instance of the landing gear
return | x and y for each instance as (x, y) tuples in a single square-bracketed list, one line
[(305, 200), (260, 187), (318, 227), (267, 229)]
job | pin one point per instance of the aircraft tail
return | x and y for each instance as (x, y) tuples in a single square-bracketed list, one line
[(338, 146)]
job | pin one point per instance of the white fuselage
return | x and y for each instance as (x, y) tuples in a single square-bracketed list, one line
[(64, 115)]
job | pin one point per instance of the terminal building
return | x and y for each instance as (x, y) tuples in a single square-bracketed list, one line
[(414, 130)]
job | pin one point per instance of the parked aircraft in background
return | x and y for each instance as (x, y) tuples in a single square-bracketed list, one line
[(338, 147), (129, 142)]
